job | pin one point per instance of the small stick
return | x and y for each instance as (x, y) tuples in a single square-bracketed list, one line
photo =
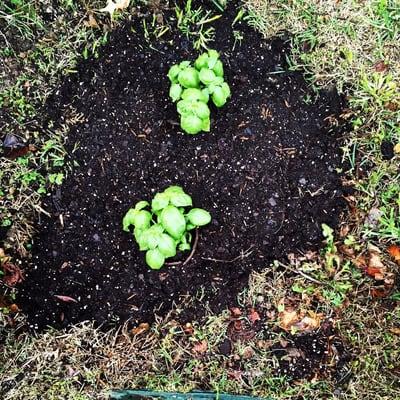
[(196, 240), (244, 254), (303, 274)]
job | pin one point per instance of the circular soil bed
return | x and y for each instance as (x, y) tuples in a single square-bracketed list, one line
[(266, 172)]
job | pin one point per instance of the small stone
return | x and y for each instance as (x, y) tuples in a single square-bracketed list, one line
[(96, 237), (272, 202), (303, 181)]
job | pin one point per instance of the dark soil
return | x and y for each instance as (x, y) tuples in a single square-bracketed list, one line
[(266, 172), (312, 355)]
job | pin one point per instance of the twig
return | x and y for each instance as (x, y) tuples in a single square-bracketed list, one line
[(196, 240), (243, 254), (303, 274)]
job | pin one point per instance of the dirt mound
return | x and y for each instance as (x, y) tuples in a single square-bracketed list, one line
[(266, 172)]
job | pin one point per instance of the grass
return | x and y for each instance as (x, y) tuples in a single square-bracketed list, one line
[(354, 46)]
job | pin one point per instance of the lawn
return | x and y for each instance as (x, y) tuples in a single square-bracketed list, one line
[(286, 285)]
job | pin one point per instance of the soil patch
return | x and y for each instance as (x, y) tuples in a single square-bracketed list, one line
[(266, 172)]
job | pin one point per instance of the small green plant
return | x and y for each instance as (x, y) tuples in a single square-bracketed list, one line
[(192, 87), (166, 226)]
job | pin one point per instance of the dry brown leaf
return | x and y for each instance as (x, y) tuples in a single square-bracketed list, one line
[(254, 316), (303, 322), (66, 299), (200, 347), (309, 323), (91, 22), (287, 319), (12, 274), (381, 66), (375, 268), (235, 311), (14, 308), (248, 353), (143, 327), (379, 292), (394, 251), (396, 148), (344, 230), (395, 330)]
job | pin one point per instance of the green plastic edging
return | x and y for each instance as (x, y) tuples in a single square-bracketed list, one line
[(149, 395)]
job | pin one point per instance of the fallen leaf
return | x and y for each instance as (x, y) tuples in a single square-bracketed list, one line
[(395, 330), (112, 6), (188, 329), (301, 321), (396, 148), (376, 273), (287, 319), (200, 347), (379, 292), (235, 374), (235, 311), (391, 106), (254, 316), (375, 268), (344, 230), (121, 4), (14, 147), (381, 66), (309, 323), (12, 274), (91, 22), (248, 353), (143, 327), (66, 299), (394, 251), (14, 308)]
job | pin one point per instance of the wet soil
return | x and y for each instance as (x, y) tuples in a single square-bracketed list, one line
[(267, 172)]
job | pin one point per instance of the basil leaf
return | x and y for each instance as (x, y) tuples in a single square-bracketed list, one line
[(218, 97), (193, 94), (201, 61), (160, 201), (141, 204), (189, 78), (173, 189), (206, 124), (155, 259), (213, 57), (173, 73), (142, 219), (167, 246), (226, 89), (173, 221), (175, 91), (219, 68), (184, 107), (199, 217), (191, 124), (129, 219), (201, 109), (207, 76), (181, 199)]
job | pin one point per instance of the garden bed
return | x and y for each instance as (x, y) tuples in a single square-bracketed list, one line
[(267, 172)]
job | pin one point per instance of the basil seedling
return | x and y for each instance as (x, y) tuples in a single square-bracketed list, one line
[(191, 88), (162, 227)]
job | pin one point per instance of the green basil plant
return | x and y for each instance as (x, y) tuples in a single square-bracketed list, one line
[(162, 227), (193, 87)]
